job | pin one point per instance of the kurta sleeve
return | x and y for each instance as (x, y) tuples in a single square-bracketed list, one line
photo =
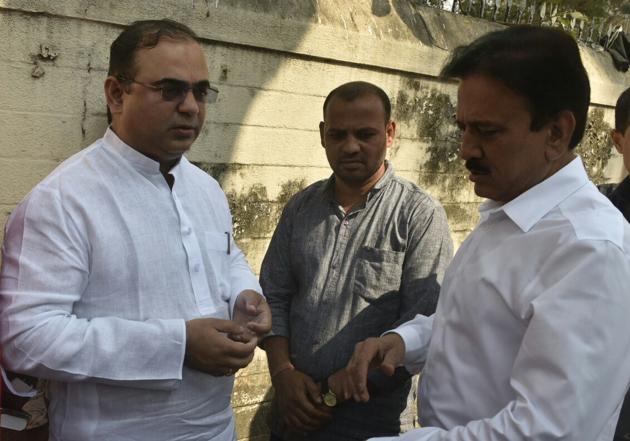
[(571, 370), (276, 275), (45, 269)]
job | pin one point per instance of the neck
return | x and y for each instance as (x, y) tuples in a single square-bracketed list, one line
[(166, 164), (560, 163), (349, 195)]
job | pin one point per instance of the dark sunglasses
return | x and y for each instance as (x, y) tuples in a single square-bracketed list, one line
[(175, 90)]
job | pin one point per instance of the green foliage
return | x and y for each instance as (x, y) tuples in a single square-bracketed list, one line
[(289, 188), (434, 3), (590, 8), (252, 214), (596, 146), (431, 112), (567, 9)]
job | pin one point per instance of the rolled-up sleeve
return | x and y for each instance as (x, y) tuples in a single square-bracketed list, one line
[(429, 251), (276, 275)]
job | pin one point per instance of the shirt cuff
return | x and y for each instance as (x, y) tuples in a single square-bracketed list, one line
[(416, 335)]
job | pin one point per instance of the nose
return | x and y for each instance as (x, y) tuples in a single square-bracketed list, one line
[(469, 146), (351, 145), (189, 104)]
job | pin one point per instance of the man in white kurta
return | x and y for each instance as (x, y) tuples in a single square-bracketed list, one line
[(531, 337), (109, 263)]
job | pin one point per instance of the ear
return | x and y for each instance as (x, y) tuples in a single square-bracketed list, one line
[(322, 127), (390, 133), (114, 93), (560, 131), (617, 138)]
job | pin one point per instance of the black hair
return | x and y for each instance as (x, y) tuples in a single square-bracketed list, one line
[(622, 112), (541, 64), (355, 89), (139, 35)]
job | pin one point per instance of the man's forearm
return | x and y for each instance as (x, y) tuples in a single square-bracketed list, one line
[(278, 356)]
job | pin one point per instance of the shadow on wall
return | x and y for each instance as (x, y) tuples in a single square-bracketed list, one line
[(58, 61), (409, 13), (61, 83)]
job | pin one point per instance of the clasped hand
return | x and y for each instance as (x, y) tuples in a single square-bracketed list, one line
[(299, 402), (299, 399), (221, 347), (385, 353)]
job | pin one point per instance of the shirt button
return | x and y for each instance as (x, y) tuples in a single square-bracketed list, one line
[(186, 231), (346, 222)]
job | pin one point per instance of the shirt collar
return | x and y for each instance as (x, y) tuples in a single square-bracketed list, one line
[(382, 183), (530, 207), (143, 164), (327, 189)]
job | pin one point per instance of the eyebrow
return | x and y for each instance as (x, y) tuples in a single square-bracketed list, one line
[(176, 80), (478, 123)]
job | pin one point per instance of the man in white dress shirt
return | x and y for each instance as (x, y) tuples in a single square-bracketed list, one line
[(531, 337), (121, 282)]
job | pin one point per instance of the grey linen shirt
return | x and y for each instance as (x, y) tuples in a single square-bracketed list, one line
[(334, 279)]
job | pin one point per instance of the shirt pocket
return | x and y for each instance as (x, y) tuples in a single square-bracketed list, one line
[(378, 274), (216, 245)]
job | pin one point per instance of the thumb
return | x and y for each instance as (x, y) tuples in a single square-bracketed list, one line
[(226, 326), (313, 391), (251, 307), (390, 362)]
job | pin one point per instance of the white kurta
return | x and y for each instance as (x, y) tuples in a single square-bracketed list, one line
[(102, 264), (531, 337)]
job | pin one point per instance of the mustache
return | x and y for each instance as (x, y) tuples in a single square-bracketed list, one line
[(475, 166), (352, 158)]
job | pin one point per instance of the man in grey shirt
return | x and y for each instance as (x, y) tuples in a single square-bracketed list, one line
[(352, 256)]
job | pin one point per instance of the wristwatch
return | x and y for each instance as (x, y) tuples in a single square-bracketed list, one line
[(329, 397)]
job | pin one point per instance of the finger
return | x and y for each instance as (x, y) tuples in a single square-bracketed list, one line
[(363, 356), (313, 392), (225, 326), (237, 362), (298, 421), (324, 413), (230, 352), (300, 428), (392, 353), (249, 299), (252, 307), (245, 337), (262, 325), (346, 388), (221, 370), (308, 406), (311, 421), (292, 423), (388, 366)]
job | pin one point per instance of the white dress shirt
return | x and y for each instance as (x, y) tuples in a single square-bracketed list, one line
[(531, 337), (102, 265)]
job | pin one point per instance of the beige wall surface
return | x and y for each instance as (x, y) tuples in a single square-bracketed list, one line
[(274, 61)]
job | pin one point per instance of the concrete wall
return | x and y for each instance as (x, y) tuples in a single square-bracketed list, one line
[(274, 61)]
